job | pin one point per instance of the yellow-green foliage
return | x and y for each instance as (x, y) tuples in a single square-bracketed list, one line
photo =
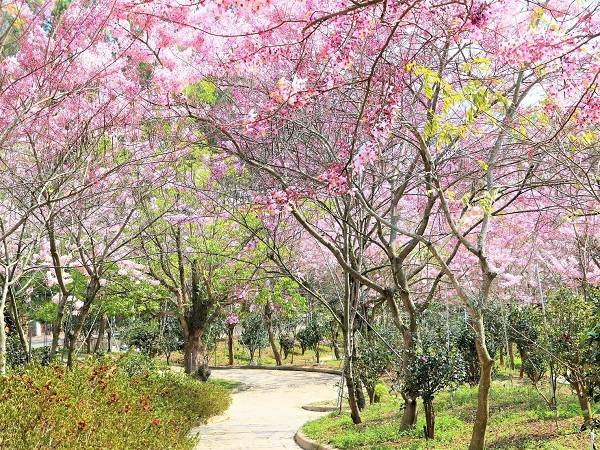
[(99, 405)]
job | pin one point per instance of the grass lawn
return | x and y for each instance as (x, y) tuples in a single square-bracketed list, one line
[(519, 420), (230, 385), (219, 357)]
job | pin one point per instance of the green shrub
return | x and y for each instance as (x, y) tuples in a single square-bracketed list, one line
[(15, 353), (144, 336), (137, 364), (99, 405), (254, 334), (287, 341), (311, 336)]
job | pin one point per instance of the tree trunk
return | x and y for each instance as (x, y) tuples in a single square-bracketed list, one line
[(101, 332), (370, 393), (317, 354), (523, 357), (485, 381), (336, 351), (354, 410), (429, 418), (3, 328), (334, 343), (230, 329), (108, 338), (195, 356), (269, 325), (584, 402), (19, 327), (409, 415), (91, 291), (511, 356), (360, 395), (194, 324), (57, 326), (63, 294)]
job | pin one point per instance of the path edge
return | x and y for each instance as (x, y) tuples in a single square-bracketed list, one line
[(307, 443), (318, 408), (289, 368)]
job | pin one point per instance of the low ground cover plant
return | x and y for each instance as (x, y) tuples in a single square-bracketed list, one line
[(104, 404), (520, 420)]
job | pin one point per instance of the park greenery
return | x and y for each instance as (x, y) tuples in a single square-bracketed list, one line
[(407, 191), (105, 403)]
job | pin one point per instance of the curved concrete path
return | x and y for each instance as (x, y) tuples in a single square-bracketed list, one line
[(268, 413)]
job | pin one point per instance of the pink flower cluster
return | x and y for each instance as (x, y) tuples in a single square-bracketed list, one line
[(277, 202), (337, 182), (232, 319), (294, 92), (366, 154)]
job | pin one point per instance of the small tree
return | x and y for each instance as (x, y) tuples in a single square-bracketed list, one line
[(311, 336), (374, 357), (170, 339), (434, 365), (287, 342), (144, 336), (254, 335), (464, 337), (569, 317), (525, 329), (230, 323)]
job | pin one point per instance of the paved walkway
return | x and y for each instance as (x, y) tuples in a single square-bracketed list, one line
[(267, 415)]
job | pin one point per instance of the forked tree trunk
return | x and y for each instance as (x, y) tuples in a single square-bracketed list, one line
[(63, 294), (195, 323), (485, 381), (269, 326), (90, 295)]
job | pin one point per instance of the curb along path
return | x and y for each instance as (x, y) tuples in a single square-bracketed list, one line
[(268, 413)]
